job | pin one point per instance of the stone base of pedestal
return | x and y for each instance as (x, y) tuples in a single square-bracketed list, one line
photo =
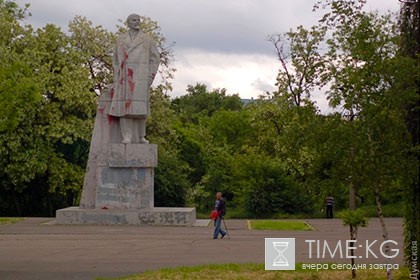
[(165, 216)]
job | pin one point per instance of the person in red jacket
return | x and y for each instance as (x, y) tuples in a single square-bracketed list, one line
[(220, 207)]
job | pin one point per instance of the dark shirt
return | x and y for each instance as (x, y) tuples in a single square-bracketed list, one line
[(220, 207)]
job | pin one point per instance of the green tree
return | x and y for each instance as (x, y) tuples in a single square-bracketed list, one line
[(410, 47), (96, 45), (51, 118), (289, 118), (371, 83), (13, 94), (199, 102), (231, 128), (302, 67), (212, 126), (49, 87), (209, 162), (172, 173), (264, 188), (298, 137)]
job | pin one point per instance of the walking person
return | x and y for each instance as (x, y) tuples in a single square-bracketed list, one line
[(329, 202), (220, 209)]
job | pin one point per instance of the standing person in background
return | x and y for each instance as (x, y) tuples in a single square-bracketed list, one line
[(220, 208), (329, 202)]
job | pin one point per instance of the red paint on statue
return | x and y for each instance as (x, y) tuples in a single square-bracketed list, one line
[(124, 59), (110, 119), (131, 83), (127, 104), (130, 73)]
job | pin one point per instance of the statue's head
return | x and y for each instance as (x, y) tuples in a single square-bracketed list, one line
[(133, 21)]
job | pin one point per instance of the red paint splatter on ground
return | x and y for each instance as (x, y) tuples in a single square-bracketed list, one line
[(101, 110)]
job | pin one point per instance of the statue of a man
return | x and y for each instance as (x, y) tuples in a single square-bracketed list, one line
[(136, 61)]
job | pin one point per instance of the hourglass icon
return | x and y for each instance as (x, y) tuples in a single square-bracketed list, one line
[(280, 247)]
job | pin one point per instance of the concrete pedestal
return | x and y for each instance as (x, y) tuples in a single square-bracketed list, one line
[(119, 181), (125, 180)]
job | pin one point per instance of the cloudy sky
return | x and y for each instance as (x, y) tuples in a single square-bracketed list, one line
[(219, 43)]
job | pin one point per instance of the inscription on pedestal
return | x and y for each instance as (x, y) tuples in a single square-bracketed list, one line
[(127, 181)]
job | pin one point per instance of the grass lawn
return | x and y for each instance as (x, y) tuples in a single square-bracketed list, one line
[(256, 271), (278, 225), (9, 220)]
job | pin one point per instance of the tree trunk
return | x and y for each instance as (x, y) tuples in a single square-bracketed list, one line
[(384, 231), (353, 236), (50, 206), (353, 230), (16, 203), (410, 47), (352, 202)]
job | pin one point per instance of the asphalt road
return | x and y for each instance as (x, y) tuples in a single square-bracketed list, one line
[(32, 249)]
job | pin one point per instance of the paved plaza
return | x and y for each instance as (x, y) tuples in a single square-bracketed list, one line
[(37, 249)]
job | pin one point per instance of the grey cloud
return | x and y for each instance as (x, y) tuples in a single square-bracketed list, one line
[(211, 36), (263, 86), (226, 26), (234, 26)]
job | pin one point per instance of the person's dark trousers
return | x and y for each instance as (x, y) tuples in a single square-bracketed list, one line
[(218, 228), (329, 211)]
